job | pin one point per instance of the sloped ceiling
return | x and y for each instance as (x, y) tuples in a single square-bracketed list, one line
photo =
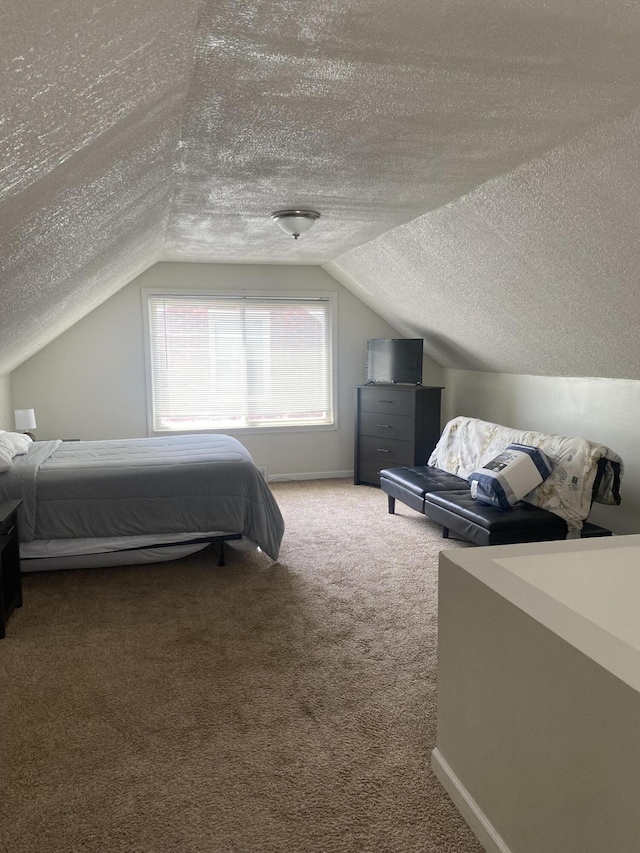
[(537, 272), (140, 130)]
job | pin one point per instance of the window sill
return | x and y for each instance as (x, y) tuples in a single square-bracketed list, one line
[(239, 431)]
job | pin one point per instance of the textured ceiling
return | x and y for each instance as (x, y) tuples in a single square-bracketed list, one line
[(376, 112), (536, 272), (138, 130)]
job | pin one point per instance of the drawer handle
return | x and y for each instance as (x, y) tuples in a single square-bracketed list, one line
[(384, 426), (382, 450), (386, 401)]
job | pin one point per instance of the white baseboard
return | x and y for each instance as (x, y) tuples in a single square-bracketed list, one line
[(478, 822), (315, 475)]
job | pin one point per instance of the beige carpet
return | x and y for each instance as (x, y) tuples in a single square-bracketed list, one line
[(261, 707)]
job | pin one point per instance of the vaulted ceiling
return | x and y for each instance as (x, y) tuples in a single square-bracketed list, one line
[(475, 162)]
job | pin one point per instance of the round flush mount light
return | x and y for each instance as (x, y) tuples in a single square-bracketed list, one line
[(295, 222)]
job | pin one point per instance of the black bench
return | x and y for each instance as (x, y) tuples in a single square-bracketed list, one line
[(446, 499)]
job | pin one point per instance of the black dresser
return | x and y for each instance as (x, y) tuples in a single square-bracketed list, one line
[(395, 425)]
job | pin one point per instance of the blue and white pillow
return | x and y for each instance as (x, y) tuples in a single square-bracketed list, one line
[(505, 480)]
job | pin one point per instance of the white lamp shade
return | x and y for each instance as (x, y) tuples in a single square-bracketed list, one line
[(25, 418)]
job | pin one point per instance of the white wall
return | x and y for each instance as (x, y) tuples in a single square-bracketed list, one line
[(7, 421), (90, 382), (606, 411)]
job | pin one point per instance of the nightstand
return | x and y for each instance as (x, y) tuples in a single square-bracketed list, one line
[(10, 575)]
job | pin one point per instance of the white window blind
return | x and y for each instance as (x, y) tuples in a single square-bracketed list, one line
[(222, 362)]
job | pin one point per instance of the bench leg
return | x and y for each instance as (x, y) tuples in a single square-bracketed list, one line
[(445, 532), (392, 504)]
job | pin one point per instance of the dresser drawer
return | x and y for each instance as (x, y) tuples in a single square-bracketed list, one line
[(385, 452), (369, 472), (370, 464), (392, 400), (385, 425)]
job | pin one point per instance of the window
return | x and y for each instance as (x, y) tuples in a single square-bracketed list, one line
[(237, 362)]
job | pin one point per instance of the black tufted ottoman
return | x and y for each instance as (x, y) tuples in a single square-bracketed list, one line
[(410, 485), (458, 512)]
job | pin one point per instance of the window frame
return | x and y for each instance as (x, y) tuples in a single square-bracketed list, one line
[(331, 297)]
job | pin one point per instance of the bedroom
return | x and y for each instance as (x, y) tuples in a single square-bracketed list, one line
[(90, 383), (147, 143)]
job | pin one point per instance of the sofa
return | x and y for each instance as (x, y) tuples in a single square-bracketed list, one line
[(581, 472)]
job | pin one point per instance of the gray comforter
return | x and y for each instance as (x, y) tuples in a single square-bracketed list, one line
[(130, 487)]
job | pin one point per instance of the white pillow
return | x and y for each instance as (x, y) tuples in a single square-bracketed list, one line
[(17, 440), (6, 455)]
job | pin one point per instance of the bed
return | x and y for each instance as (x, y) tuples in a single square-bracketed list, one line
[(117, 502)]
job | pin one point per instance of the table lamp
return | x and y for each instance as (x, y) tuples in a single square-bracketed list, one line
[(26, 420)]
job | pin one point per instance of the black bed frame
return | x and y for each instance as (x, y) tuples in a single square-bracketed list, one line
[(222, 538)]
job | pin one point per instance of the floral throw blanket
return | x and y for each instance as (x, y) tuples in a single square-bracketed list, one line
[(466, 444)]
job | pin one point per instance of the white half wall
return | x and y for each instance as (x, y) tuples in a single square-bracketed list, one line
[(90, 382), (538, 699), (606, 411)]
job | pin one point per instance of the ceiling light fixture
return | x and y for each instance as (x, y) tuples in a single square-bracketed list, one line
[(295, 222)]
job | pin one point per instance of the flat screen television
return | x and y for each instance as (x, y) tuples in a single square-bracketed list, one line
[(393, 360)]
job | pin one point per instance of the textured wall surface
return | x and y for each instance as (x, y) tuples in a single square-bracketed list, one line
[(133, 130), (534, 273), (92, 100)]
